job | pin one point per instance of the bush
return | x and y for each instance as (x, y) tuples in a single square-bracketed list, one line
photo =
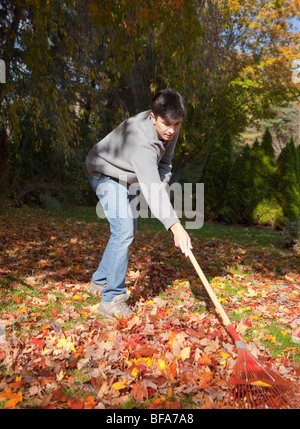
[(268, 213), (290, 236), (215, 175), (238, 198), (49, 202)]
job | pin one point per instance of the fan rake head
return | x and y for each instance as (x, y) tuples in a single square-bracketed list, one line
[(254, 386)]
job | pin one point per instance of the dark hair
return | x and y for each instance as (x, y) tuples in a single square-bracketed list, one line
[(168, 105)]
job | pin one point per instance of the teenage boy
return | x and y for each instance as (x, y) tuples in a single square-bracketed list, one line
[(139, 150)]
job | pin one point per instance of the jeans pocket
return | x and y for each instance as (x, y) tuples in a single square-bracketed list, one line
[(94, 182)]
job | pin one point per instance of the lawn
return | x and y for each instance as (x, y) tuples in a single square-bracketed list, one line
[(56, 351)]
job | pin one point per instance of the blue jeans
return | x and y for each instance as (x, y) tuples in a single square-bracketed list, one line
[(115, 200)]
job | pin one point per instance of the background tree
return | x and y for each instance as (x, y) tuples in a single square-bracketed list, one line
[(284, 125), (238, 200), (75, 69), (287, 182), (37, 99), (265, 207), (267, 146), (215, 175)]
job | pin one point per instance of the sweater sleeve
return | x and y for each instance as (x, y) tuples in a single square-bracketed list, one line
[(145, 165), (165, 164)]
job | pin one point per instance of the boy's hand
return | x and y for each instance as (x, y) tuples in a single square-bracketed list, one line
[(181, 238)]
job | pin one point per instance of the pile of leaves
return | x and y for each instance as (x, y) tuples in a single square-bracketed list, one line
[(56, 351)]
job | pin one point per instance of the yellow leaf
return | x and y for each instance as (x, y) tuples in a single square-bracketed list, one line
[(119, 385), (66, 343), (270, 338), (161, 364), (224, 354), (147, 361), (185, 353), (135, 372), (13, 398), (260, 383)]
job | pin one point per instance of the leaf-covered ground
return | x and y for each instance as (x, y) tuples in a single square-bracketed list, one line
[(56, 351)]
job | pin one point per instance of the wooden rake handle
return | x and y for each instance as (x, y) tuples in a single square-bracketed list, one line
[(209, 290)]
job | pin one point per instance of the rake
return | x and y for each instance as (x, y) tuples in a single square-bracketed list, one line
[(251, 385)]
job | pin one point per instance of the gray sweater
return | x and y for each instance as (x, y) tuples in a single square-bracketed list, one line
[(133, 152)]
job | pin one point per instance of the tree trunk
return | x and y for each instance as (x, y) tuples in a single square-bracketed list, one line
[(4, 165)]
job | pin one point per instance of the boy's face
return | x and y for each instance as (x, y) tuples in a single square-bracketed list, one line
[(165, 130)]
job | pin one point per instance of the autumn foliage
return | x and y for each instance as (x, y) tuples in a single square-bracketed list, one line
[(57, 352)]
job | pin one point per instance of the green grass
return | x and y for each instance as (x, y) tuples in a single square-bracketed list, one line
[(212, 231)]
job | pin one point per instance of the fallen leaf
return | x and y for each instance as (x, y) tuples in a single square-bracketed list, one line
[(119, 385), (270, 338), (13, 398), (260, 383), (185, 353), (139, 392), (90, 403)]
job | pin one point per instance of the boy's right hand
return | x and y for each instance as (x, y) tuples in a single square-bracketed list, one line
[(182, 239)]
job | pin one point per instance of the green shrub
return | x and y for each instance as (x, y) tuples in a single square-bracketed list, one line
[(266, 144), (238, 199), (290, 236), (267, 213), (287, 183), (215, 175), (49, 202)]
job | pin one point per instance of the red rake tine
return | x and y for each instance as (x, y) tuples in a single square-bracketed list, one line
[(265, 388), (252, 384)]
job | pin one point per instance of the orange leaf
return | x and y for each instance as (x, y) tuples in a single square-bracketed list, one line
[(270, 338), (13, 398), (90, 403), (75, 405), (205, 359), (139, 392), (54, 311)]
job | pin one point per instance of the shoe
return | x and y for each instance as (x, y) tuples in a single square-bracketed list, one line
[(93, 287), (116, 308)]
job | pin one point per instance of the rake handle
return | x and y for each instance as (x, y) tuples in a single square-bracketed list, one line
[(209, 290)]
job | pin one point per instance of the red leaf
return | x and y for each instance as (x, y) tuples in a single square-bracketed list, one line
[(54, 311), (139, 392), (90, 403), (38, 342), (59, 396), (75, 405)]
